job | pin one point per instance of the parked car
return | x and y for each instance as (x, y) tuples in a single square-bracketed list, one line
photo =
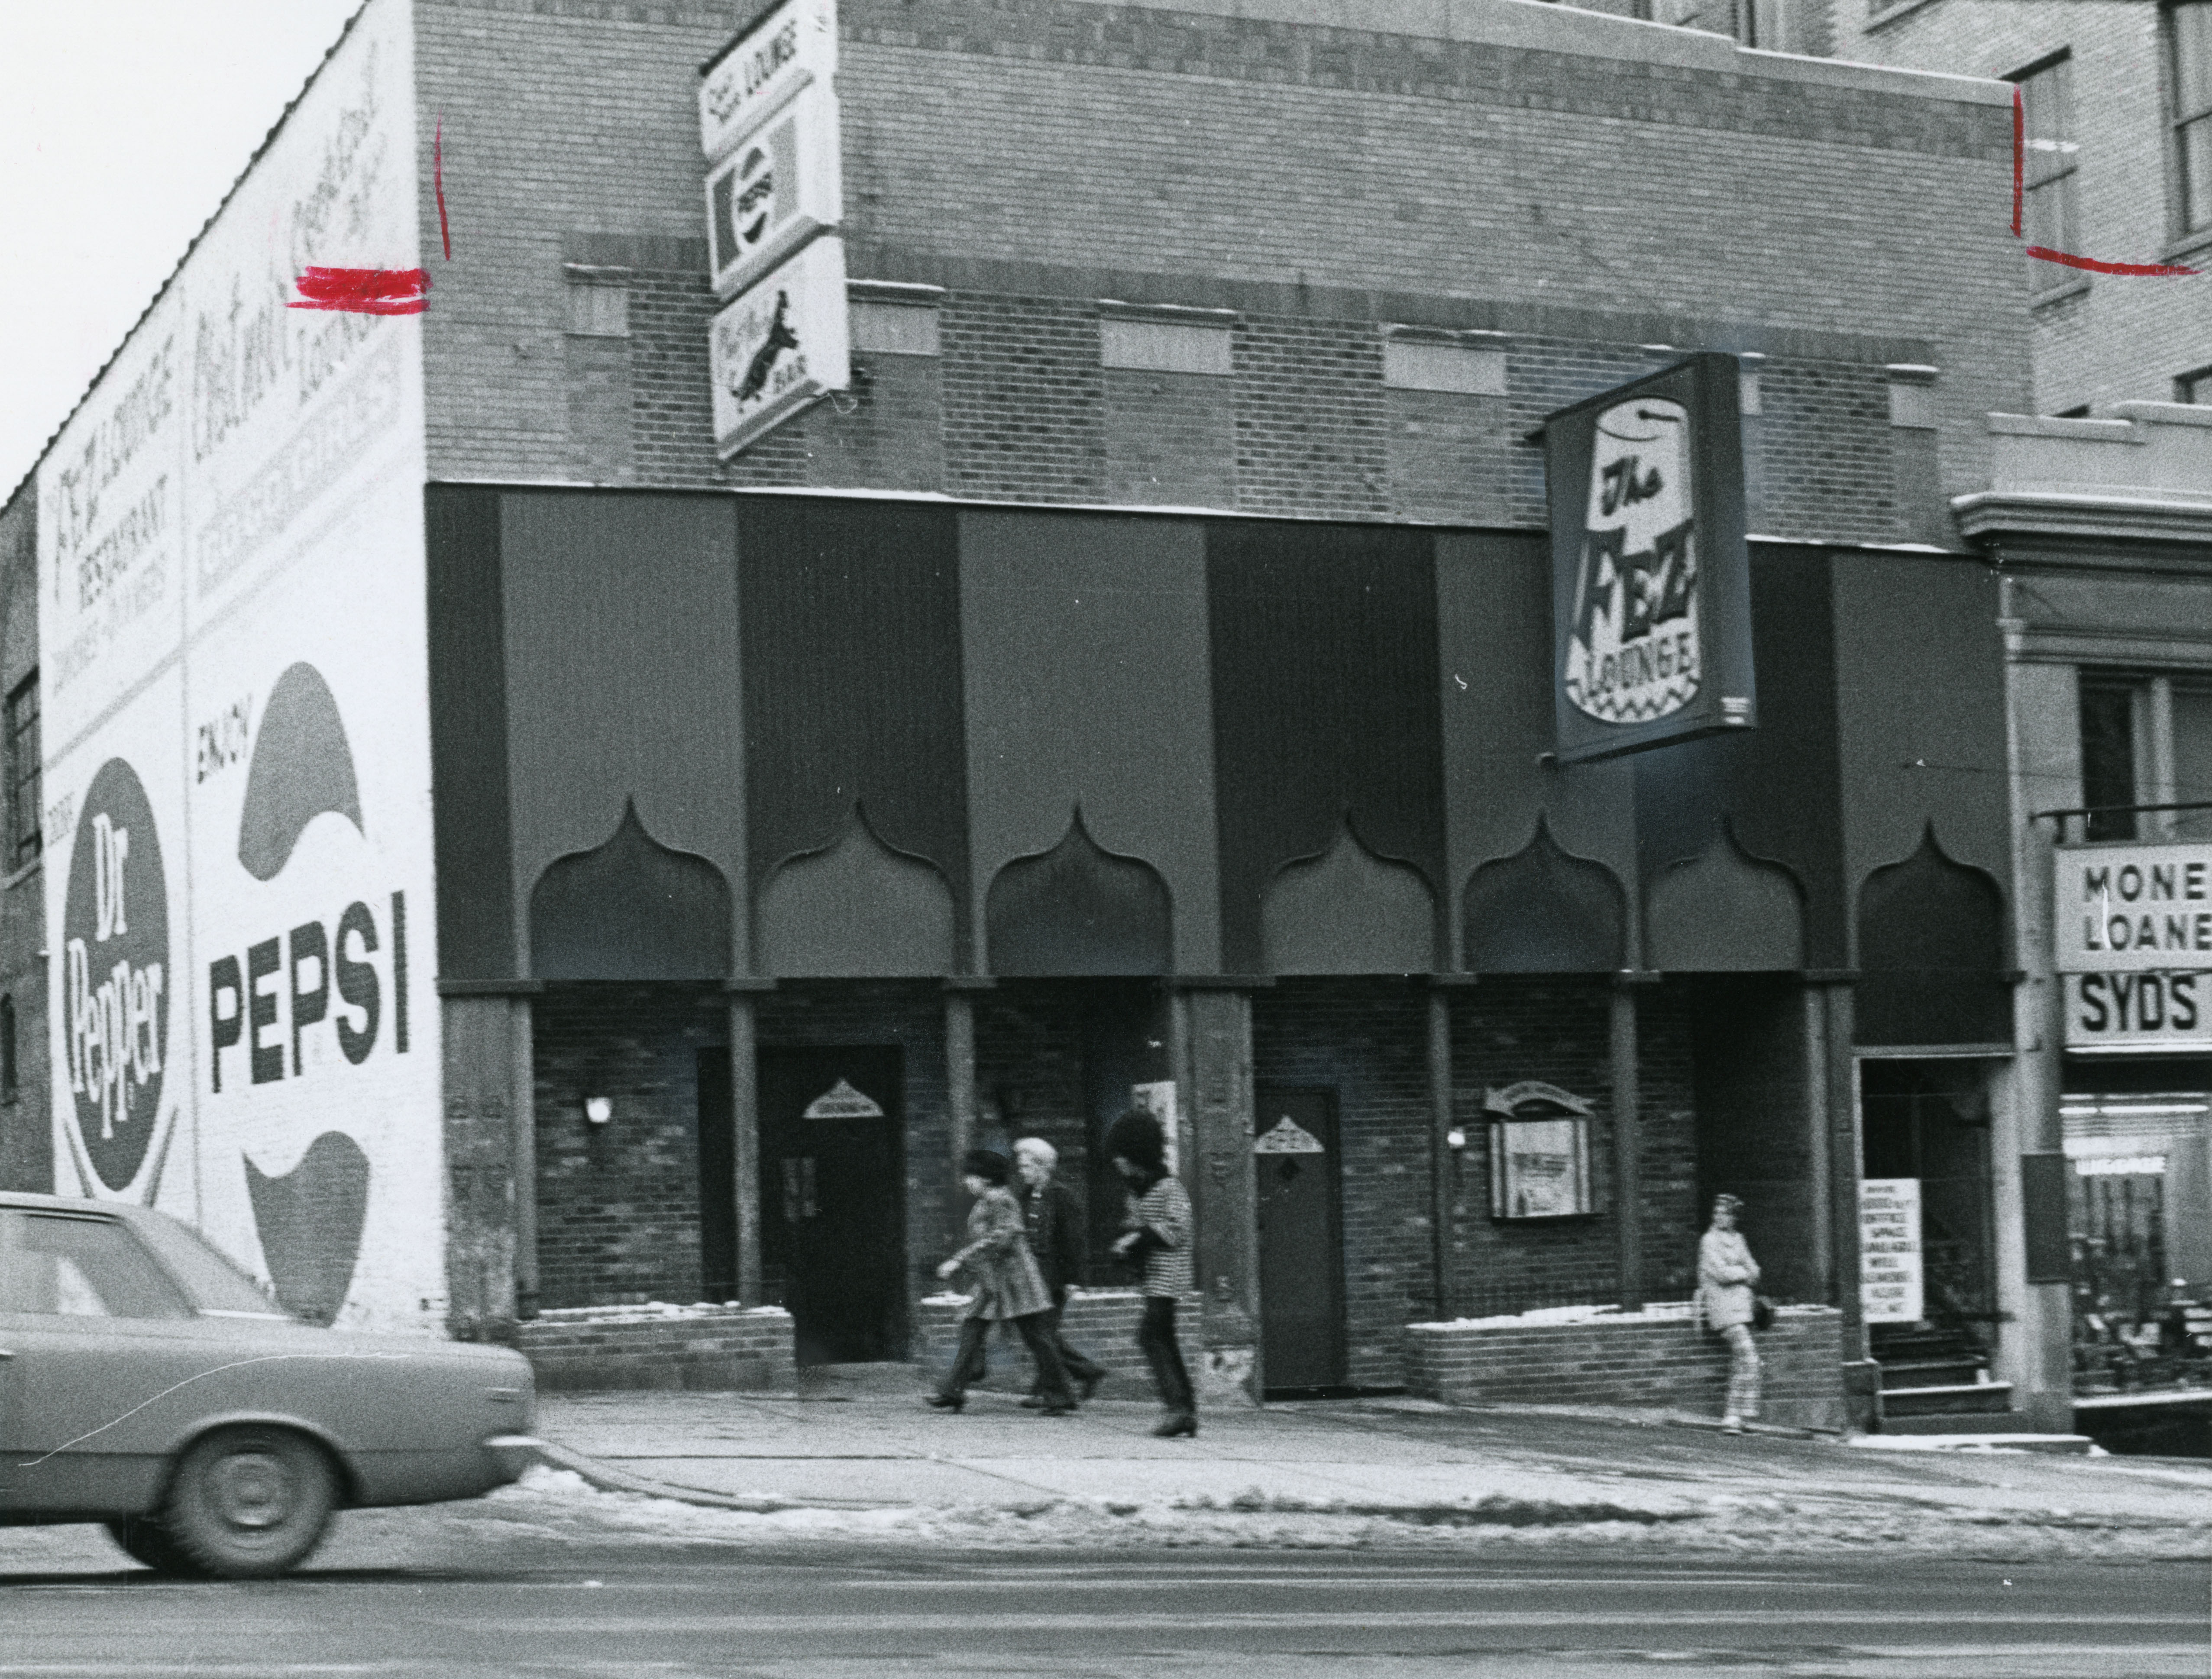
[(149, 1383)]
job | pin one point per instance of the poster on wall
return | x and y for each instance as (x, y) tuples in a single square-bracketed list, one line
[(1651, 581), (235, 700), (1890, 1277), (1539, 1152)]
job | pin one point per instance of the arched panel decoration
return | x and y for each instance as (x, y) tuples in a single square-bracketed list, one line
[(1725, 911), (1079, 909), (1543, 911), (1932, 953), (631, 909), (1348, 912), (855, 910)]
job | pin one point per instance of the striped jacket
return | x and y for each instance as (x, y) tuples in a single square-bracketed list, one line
[(1161, 1216)]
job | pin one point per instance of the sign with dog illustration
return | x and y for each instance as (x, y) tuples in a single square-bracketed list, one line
[(781, 346), (1652, 586)]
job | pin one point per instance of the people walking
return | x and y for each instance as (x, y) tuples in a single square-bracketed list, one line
[(1008, 1288), (1726, 1273), (1055, 1224), (1158, 1239)]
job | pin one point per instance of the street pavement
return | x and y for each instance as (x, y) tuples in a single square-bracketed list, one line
[(855, 1451), (528, 1583)]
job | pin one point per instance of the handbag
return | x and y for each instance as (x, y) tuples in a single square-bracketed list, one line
[(1762, 1312)]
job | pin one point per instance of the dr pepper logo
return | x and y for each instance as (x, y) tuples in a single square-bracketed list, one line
[(1633, 652), (115, 974)]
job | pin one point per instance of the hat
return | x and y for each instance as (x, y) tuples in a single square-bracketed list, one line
[(982, 1163)]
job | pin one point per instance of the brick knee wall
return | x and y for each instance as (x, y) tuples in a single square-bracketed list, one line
[(1669, 1361), (706, 1347), (1102, 1326)]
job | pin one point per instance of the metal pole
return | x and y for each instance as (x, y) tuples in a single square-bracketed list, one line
[(745, 1143), (1442, 1167), (1627, 1146)]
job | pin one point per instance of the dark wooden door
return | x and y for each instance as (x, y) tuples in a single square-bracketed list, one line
[(832, 1214), (1301, 1238)]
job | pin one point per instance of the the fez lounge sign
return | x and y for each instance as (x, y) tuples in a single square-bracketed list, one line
[(1650, 584), (2132, 932)]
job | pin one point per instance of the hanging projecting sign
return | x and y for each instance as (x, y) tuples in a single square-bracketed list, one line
[(780, 346), (1652, 589), (780, 188), (789, 47)]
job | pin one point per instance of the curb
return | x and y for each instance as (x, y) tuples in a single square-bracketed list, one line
[(608, 1480)]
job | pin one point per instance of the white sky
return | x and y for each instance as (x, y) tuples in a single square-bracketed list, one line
[(122, 124)]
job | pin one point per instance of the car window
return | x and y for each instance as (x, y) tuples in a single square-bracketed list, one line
[(65, 1266), (217, 1286)]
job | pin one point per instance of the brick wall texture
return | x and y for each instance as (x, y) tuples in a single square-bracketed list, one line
[(1673, 1363), (2097, 338), (1033, 160), (720, 1349)]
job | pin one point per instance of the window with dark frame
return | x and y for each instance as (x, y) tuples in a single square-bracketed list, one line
[(2189, 43), (24, 778), (2108, 755), (2146, 741), (2047, 206), (10, 1081), (2195, 386)]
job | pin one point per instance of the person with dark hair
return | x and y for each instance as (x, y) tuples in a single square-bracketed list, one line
[(1054, 1223), (1726, 1273), (1158, 1239), (1008, 1288)]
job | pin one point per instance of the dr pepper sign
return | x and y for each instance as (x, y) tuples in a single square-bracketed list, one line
[(1650, 584)]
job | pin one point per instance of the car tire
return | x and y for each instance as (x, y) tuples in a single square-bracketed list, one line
[(248, 1502), (145, 1540)]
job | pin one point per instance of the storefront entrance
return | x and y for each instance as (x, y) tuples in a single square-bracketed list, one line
[(832, 1223), (1299, 1181), (1929, 1120)]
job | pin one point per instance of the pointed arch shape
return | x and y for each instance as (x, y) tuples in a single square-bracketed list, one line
[(1348, 910), (1725, 911), (855, 909), (1543, 910), (630, 909), (1079, 909), (1932, 951)]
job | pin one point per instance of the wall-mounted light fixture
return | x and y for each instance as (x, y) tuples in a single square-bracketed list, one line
[(598, 1110)]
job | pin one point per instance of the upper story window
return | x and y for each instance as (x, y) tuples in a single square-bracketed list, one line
[(2195, 387), (24, 787), (2189, 39), (2146, 741), (2048, 213)]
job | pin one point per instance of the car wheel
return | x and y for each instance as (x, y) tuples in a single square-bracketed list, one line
[(145, 1540), (249, 1502)]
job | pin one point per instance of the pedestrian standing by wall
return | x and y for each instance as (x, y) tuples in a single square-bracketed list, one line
[(1726, 1273), (1008, 1288), (1158, 1239), (1055, 1224)]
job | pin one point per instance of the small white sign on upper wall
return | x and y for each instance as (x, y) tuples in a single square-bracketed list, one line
[(791, 46)]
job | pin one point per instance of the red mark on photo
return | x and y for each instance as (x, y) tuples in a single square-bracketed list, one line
[(364, 291), (438, 181), (2153, 271)]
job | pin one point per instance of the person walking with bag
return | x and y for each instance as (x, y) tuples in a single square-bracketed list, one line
[(1055, 1224), (1008, 1288), (1158, 1239), (1726, 1273)]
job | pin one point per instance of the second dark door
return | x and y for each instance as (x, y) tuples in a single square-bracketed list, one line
[(1301, 1238), (833, 1230)]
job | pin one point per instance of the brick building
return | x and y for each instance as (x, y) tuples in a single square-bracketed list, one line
[(1138, 685)]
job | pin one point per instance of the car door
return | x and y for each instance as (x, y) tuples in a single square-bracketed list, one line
[(104, 1350)]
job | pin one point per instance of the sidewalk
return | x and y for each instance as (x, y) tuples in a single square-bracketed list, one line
[(859, 1440)]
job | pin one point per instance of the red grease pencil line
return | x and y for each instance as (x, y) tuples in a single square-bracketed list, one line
[(438, 181), (2019, 155), (364, 291), (2158, 270)]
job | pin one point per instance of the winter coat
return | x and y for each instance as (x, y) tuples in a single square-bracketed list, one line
[(1726, 1272), (998, 1260), (1055, 1233)]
